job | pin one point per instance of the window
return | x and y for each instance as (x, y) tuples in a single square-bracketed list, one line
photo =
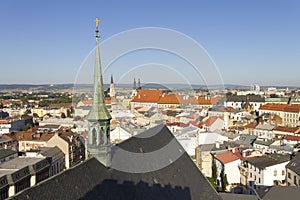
[(283, 172), (258, 180), (250, 175), (275, 172), (295, 180), (289, 175)]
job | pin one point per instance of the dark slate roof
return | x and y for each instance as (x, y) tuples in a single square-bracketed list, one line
[(50, 126), (279, 193), (240, 98), (268, 160), (246, 139), (294, 164), (6, 152), (264, 142), (232, 196), (154, 171), (49, 151)]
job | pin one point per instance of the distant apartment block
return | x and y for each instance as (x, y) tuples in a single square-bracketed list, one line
[(289, 113)]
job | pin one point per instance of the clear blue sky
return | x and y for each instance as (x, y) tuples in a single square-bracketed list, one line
[(251, 41)]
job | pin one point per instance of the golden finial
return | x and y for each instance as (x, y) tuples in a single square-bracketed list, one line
[(97, 22)]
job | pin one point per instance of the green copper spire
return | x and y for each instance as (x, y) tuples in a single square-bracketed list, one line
[(99, 110), (99, 145)]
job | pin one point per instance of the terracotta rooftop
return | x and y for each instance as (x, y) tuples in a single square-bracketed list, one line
[(226, 157), (170, 99), (295, 108), (250, 126), (89, 102), (3, 121), (286, 129), (179, 124), (207, 101), (150, 96), (211, 120), (292, 137)]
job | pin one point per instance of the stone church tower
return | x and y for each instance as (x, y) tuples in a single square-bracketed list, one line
[(99, 145)]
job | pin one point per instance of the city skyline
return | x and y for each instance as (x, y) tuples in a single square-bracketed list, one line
[(250, 42)]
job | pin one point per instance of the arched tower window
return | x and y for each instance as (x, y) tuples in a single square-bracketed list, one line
[(101, 134), (94, 136), (107, 135)]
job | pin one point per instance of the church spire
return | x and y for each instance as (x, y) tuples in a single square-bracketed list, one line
[(139, 84), (111, 79), (112, 92), (99, 117), (99, 110), (134, 84)]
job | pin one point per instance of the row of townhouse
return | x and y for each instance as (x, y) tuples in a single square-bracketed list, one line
[(70, 143), (255, 171), (18, 173), (288, 114)]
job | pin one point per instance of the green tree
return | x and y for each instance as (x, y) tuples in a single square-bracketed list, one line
[(224, 180), (26, 127), (35, 115), (63, 115), (15, 104), (44, 103), (27, 111), (213, 179)]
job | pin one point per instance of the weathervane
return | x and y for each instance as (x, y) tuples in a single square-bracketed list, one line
[(97, 22)]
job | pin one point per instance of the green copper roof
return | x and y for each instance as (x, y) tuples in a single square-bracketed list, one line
[(99, 110)]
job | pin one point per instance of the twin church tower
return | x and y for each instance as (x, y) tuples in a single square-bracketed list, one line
[(99, 145)]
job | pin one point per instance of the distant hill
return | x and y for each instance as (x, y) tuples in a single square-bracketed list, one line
[(46, 87)]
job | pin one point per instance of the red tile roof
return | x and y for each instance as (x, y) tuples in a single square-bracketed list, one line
[(6, 102), (286, 129), (295, 108), (179, 124), (170, 99), (199, 124), (211, 120), (156, 96), (150, 96), (226, 157), (250, 126), (207, 101), (3, 121), (292, 137)]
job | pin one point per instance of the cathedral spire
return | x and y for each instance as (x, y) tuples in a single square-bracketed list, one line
[(139, 84), (99, 118), (134, 84)]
